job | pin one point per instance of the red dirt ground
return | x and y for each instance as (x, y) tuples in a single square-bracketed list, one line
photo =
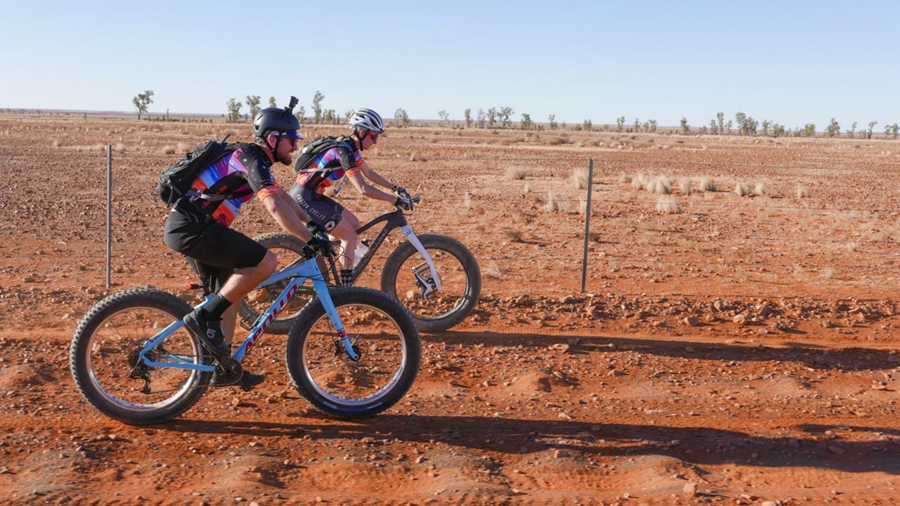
[(742, 351)]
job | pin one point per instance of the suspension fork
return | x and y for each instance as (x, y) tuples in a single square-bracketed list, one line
[(411, 237)]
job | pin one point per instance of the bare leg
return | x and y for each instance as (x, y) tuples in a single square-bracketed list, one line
[(345, 231)]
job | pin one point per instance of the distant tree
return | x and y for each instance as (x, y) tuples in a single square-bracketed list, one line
[(833, 129), (713, 128), (620, 123), (443, 115), (739, 119), (871, 127), (401, 117), (468, 114), (553, 124), (317, 106), (504, 114), (637, 125), (852, 132), (809, 130), (527, 124), (491, 117), (894, 131), (765, 124), (480, 118), (253, 104), (652, 126), (749, 126), (728, 127), (301, 114), (588, 125), (777, 130), (720, 117), (141, 101), (234, 110), (685, 128), (348, 114), (272, 102), (646, 126)]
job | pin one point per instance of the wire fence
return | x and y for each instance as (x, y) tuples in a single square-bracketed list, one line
[(608, 203)]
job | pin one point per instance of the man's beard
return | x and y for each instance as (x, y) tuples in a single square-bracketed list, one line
[(286, 159)]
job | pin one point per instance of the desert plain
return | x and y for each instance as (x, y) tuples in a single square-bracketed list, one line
[(736, 341)]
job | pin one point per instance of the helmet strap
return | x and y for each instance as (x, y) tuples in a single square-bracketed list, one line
[(274, 148)]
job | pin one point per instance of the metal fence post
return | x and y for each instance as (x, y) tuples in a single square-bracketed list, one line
[(108, 212), (587, 225)]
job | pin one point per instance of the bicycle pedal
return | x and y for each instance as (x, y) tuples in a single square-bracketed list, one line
[(228, 372)]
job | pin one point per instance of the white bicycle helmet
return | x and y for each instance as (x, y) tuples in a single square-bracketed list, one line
[(366, 119)]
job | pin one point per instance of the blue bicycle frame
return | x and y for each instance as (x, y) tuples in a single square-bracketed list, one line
[(298, 275)]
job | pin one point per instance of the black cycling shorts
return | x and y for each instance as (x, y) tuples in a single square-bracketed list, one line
[(216, 248), (321, 209)]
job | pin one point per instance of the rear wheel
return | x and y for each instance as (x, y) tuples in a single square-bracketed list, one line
[(288, 248), (105, 363)]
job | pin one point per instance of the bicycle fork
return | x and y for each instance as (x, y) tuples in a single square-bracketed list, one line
[(429, 286), (343, 341)]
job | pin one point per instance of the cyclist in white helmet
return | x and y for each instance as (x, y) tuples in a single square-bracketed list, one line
[(326, 162)]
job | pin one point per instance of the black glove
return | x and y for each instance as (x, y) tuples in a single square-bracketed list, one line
[(399, 190), (404, 203), (321, 245), (315, 229)]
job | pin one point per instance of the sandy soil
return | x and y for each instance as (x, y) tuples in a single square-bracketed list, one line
[(742, 351)]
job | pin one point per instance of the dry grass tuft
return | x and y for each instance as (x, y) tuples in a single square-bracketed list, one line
[(558, 141), (760, 189), (639, 182), (742, 189), (661, 185), (119, 148), (527, 189), (552, 202), (685, 186), (668, 205), (707, 185), (169, 150), (467, 201), (492, 270), (624, 178), (184, 148), (512, 234), (802, 193), (582, 206), (580, 178), (516, 173)]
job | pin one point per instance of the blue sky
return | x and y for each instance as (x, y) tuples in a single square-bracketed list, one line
[(789, 61)]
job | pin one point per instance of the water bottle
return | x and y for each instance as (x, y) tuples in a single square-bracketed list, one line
[(361, 249)]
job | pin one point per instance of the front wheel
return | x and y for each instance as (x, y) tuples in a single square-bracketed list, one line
[(383, 335), (404, 273), (104, 358)]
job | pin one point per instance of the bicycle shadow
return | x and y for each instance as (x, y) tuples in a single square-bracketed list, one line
[(811, 355), (695, 445)]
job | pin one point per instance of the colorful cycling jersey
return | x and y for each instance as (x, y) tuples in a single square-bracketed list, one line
[(246, 170), (327, 168)]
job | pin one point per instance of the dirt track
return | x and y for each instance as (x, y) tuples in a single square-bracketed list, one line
[(739, 352)]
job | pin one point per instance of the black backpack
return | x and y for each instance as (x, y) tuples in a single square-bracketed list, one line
[(176, 180), (313, 149)]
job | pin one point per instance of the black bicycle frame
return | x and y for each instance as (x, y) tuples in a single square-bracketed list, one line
[(393, 220)]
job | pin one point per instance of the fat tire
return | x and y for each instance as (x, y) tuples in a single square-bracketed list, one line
[(293, 243), (137, 297), (455, 248), (314, 311)]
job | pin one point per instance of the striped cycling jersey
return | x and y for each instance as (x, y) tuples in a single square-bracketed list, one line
[(247, 168), (327, 168)]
